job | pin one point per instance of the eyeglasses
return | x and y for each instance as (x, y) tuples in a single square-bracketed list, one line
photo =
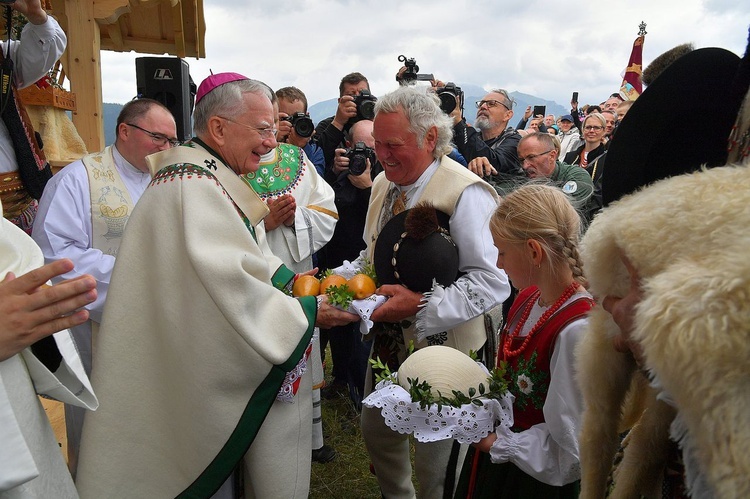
[(490, 104), (530, 157), (592, 127), (265, 133), (157, 138)]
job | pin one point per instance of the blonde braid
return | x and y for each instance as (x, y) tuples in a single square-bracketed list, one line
[(575, 262)]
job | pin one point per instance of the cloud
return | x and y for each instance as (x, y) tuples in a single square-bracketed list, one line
[(548, 49)]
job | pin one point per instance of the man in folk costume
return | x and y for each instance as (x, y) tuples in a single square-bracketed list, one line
[(23, 167), (83, 212), (32, 362), (201, 357), (412, 137), (301, 220)]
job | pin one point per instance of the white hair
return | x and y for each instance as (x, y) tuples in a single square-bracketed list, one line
[(422, 109)]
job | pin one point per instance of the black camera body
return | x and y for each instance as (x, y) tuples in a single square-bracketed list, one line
[(451, 96), (365, 103), (358, 156), (412, 73), (302, 124)]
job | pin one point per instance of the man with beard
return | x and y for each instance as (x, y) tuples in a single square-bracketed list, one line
[(490, 146)]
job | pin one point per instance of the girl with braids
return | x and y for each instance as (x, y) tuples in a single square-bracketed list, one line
[(536, 232)]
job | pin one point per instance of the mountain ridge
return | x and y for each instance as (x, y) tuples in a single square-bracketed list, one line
[(324, 109)]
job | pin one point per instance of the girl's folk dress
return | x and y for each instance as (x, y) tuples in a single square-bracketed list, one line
[(540, 458)]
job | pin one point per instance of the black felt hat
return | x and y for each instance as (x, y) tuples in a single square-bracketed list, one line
[(680, 122), (415, 248)]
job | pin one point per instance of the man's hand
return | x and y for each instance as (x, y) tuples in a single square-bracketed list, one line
[(527, 113), (340, 161), (482, 167), (623, 312), (32, 9), (363, 181), (288, 134), (283, 210), (456, 115), (30, 313), (347, 109), (284, 128), (402, 303), (330, 316)]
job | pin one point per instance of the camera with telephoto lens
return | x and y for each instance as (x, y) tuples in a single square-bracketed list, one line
[(451, 96), (411, 74), (365, 102), (302, 124), (358, 156)]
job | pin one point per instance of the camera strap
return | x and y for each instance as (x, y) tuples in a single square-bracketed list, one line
[(6, 66), (33, 167)]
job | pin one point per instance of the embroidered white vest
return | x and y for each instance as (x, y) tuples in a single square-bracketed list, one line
[(443, 191)]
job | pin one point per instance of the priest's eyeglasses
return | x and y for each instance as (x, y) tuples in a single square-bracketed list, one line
[(157, 138), (265, 133)]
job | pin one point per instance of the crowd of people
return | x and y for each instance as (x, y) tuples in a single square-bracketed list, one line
[(170, 332)]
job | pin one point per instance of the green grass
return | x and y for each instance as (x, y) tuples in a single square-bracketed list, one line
[(348, 476)]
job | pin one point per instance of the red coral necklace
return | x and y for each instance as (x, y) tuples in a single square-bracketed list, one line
[(507, 352)]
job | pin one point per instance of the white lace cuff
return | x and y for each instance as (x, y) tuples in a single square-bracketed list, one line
[(467, 424), (420, 330), (293, 378)]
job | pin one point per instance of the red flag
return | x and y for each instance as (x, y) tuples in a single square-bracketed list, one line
[(631, 86)]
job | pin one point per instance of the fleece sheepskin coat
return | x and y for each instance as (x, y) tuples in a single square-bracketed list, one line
[(689, 239)]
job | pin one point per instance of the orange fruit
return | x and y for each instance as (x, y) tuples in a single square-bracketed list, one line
[(362, 285), (330, 281), (306, 285)]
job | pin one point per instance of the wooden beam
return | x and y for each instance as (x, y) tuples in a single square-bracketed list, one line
[(179, 33), (115, 34), (156, 47), (85, 72), (110, 10)]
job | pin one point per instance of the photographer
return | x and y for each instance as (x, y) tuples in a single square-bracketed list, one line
[(329, 134), (296, 127), (348, 352), (490, 146)]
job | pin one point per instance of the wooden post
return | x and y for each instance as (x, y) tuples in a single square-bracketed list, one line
[(85, 72)]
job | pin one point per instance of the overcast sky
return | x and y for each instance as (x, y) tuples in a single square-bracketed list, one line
[(544, 48)]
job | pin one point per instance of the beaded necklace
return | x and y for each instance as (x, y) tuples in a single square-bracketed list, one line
[(507, 352)]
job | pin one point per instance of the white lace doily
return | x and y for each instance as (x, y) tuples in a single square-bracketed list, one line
[(363, 308), (468, 424)]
